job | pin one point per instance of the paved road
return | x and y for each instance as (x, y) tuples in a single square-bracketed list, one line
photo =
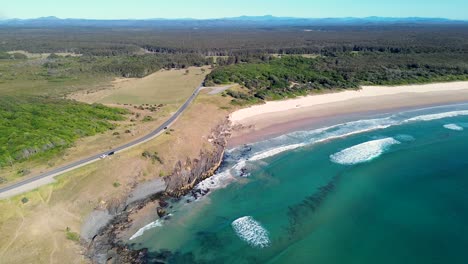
[(47, 177)]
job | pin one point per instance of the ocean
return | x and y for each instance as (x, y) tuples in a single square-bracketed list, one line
[(386, 188)]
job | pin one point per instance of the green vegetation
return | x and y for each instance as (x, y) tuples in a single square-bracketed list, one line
[(147, 119), (116, 184), (73, 236), (295, 75), (153, 156), (35, 126)]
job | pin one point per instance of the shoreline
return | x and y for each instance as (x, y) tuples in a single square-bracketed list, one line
[(110, 240), (260, 122)]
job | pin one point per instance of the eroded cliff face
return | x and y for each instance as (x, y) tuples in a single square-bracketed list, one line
[(189, 173), (107, 247)]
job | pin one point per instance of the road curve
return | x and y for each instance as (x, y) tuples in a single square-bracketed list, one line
[(48, 177)]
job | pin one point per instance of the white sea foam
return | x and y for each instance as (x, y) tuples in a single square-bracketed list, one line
[(239, 166), (275, 151), (438, 116), (149, 226), (453, 127), (251, 232), (275, 146), (219, 180), (363, 152), (404, 138)]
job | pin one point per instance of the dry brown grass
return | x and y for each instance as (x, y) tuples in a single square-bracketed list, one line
[(162, 87), (35, 232)]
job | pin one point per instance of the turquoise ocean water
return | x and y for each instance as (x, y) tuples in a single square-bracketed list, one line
[(391, 188)]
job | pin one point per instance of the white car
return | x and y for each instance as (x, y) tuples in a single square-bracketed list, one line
[(103, 156)]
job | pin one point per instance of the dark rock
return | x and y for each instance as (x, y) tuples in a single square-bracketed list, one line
[(163, 204), (161, 212)]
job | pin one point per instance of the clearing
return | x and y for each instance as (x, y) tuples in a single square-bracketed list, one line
[(162, 87)]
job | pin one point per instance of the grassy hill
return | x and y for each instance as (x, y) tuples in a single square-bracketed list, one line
[(35, 126)]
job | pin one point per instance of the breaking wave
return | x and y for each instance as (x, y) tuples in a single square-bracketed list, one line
[(453, 127), (241, 160), (219, 180), (251, 232), (149, 226), (438, 116), (272, 147), (363, 152)]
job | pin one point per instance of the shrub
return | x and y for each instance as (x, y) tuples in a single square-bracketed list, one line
[(73, 236), (147, 118)]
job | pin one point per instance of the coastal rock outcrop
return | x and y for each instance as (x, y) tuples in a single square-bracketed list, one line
[(187, 174), (107, 246)]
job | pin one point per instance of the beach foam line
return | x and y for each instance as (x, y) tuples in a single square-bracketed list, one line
[(453, 127), (275, 151), (251, 232), (149, 226), (300, 139), (219, 180), (438, 116), (363, 152)]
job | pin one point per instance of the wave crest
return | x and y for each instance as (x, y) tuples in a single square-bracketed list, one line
[(149, 226), (251, 232), (453, 127), (363, 152)]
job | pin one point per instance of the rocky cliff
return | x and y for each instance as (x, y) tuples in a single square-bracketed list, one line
[(187, 174), (106, 247)]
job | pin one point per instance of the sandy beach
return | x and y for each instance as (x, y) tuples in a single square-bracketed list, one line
[(277, 117)]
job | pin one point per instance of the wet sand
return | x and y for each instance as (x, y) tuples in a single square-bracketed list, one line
[(279, 117)]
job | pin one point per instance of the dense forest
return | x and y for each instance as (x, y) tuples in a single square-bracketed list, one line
[(34, 126), (295, 75), (236, 41)]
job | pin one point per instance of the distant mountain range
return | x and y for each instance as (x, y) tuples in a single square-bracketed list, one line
[(242, 21)]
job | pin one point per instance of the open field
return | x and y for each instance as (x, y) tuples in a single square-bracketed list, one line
[(37, 228), (162, 87), (30, 77)]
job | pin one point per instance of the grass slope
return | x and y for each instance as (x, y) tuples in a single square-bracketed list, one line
[(33, 126)]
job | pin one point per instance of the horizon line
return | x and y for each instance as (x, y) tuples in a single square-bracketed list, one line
[(233, 17)]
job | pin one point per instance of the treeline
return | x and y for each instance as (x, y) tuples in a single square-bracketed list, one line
[(296, 75), (122, 66), (12, 56), (142, 65), (321, 40), (35, 126)]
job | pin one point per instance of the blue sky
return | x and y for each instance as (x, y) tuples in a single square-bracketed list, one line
[(109, 9)]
